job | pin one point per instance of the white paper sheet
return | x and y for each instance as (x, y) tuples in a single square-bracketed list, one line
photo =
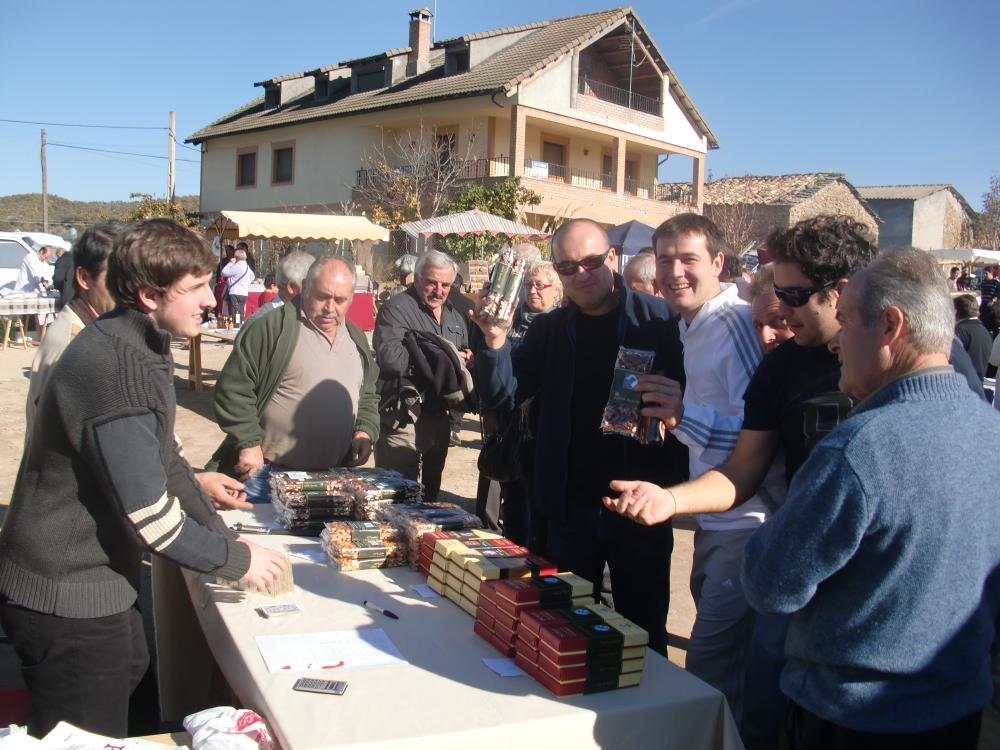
[(343, 649), (504, 667), (425, 591)]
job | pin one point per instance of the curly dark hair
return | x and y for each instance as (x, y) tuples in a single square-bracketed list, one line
[(826, 248)]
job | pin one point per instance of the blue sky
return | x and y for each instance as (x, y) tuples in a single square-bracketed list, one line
[(886, 91)]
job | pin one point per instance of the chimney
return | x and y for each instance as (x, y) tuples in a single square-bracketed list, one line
[(419, 58)]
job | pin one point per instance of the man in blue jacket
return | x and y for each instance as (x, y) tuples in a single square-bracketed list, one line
[(566, 361)]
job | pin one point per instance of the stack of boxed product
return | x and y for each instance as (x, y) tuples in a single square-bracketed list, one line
[(502, 602), (306, 500), (580, 649), (362, 545), (413, 521), (458, 563)]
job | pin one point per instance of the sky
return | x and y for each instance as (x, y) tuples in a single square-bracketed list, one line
[(885, 91)]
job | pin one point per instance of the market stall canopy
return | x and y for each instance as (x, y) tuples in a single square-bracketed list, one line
[(260, 225), (473, 222), (630, 237), (967, 255)]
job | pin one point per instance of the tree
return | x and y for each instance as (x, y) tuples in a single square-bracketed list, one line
[(507, 198), (410, 175), (157, 208), (986, 225), (738, 224)]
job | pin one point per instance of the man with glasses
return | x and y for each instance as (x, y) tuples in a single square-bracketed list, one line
[(417, 448), (566, 361)]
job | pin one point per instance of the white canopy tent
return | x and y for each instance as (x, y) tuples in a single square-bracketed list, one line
[(967, 255), (261, 225)]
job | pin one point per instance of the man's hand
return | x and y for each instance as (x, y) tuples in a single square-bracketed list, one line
[(495, 335), (249, 462), (643, 502), (361, 449), (266, 565), (662, 398), (225, 492), (466, 356)]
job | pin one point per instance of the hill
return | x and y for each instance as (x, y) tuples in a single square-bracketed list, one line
[(24, 212)]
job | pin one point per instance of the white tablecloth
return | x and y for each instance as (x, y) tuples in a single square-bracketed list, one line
[(444, 697)]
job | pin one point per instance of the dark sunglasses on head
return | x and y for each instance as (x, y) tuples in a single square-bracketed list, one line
[(797, 296), (590, 263)]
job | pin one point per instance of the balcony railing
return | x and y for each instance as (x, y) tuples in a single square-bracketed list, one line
[(469, 169), (569, 175), (621, 97)]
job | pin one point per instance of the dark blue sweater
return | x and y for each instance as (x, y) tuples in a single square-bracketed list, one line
[(887, 552)]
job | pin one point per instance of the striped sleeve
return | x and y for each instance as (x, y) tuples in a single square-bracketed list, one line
[(127, 450), (706, 432)]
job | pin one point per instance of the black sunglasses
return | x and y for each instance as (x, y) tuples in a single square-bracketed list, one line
[(591, 262), (797, 296)]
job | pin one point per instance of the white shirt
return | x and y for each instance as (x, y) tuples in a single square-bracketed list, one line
[(721, 353), (33, 271)]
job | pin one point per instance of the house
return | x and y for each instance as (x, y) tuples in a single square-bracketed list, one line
[(925, 216), (747, 208), (583, 109)]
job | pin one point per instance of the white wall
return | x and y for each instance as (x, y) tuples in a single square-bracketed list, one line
[(928, 220), (328, 154), (551, 91)]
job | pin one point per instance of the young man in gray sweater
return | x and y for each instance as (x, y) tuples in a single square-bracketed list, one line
[(101, 480)]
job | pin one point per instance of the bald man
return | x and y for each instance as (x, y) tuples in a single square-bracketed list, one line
[(298, 391)]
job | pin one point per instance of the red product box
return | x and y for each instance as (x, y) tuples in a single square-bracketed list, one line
[(593, 673), (533, 619), (594, 640), (505, 634), (524, 662), (507, 620), (485, 619), (501, 645), (524, 649), (560, 688), (540, 566), (530, 640), (487, 607), (488, 591), (482, 631)]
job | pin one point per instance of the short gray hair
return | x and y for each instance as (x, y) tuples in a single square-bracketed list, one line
[(908, 278), (763, 282), (324, 261), (434, 259), (641, 268), (293, 268)]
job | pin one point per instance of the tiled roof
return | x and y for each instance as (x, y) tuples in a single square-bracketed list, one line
[(492, 32), (379, 56), (502, 71), (911, 193), (768, 190)]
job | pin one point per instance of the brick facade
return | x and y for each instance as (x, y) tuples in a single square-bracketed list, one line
[(590, 103), (563, 201)]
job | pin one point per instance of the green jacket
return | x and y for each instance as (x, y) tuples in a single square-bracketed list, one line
[(251, 375)]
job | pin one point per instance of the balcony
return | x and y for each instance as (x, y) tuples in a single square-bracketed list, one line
[(469, 169), (619, 97)]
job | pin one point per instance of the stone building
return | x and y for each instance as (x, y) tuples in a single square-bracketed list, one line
[(926, 216), (747, 208)]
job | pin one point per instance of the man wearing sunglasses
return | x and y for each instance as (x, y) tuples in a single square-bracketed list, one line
[(566, 361)]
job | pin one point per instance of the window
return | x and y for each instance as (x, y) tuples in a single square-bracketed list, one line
[(11, 254), (553, 153), (283, 163), (456, 62), (246, 167)]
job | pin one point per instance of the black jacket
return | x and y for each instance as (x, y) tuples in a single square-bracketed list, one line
[(542, 367), (402, 313)]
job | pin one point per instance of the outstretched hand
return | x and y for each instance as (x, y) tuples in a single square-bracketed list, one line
[(643, 502)]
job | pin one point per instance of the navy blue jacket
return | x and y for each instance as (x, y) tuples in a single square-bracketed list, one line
[(541, 366)]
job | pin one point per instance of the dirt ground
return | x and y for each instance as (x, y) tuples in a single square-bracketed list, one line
[(200, 436)]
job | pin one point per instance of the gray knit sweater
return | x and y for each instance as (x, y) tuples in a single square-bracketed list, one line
[(102, 477)]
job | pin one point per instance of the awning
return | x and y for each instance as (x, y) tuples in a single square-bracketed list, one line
[(260, 225), (967, 255), (473, 222)]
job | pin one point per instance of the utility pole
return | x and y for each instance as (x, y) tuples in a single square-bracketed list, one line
[(45, 190), (170, 159)]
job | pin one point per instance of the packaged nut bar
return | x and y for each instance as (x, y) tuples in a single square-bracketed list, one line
[(621, 415), (413, 521), (505, 286)]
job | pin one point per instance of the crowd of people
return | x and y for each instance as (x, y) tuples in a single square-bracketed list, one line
[(818, 421)]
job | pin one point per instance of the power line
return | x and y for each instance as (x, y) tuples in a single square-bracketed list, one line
[(123, 153), (189, 148), (80, 125)]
